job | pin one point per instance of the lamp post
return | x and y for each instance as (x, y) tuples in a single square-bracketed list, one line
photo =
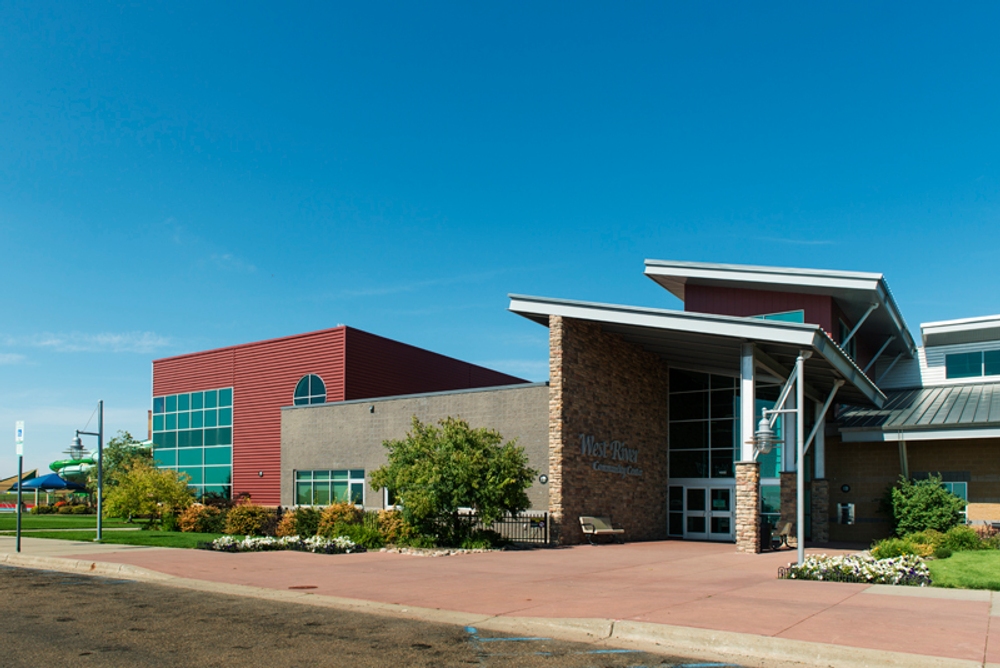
[(764, 439), (100, 463)]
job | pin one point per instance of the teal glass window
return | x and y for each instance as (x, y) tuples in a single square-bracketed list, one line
[(180, 437), (319, 488), (963, 365), (166, 457), (991, 363), (310, 390), (221, 455), (189, 457), (218, 475), (798, 316), (225, 417)]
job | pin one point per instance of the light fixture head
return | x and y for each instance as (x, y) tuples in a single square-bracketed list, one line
[(764, 438)]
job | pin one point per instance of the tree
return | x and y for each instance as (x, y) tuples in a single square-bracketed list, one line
[(119, 454), (145, 491), (436, 470), (924, 504)]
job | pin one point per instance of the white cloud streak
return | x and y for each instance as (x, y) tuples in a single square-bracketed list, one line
[(77, 342), (10, 358)]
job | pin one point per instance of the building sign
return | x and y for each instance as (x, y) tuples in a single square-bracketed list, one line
[(611, 456)]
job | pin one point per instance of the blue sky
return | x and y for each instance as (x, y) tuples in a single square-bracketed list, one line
[(182, 176)]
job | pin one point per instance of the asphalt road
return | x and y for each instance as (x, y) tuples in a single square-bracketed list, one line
[(54, 619)]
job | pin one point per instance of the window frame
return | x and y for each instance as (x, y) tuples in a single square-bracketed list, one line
[(309, 398)]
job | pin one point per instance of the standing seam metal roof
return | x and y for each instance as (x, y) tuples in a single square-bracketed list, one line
[(930, 407)]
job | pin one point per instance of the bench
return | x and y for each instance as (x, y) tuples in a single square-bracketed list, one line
[(600, 526), (781, 535)]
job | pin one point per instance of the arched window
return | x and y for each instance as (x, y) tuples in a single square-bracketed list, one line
[(310, 390)]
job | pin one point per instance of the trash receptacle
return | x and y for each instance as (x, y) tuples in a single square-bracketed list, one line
[(765, 535)]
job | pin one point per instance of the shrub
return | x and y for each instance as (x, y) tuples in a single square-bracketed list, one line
[(249, 519), (989, 538), (301, 521), (365, 536), (144, 491), (484, 539), (891, 548), (924, 504), (961, 538), (65, 510), (202, 519), (80, 510), (168, 522), (942, 553), (338, 513), (393, 527), (437, 470)]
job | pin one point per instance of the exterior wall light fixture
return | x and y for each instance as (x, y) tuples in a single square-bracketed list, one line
[(543, 479), (371, 409), (260, 474)]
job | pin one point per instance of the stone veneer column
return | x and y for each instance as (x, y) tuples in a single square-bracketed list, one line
[(748, 507), (821, 511), (556, 424), (788, 488), (615, 394)]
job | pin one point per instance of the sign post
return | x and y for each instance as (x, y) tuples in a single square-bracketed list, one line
[(19, 440)]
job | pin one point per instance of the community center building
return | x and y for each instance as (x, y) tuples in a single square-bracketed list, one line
[(650, 416)]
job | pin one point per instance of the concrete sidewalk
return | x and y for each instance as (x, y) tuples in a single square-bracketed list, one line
[(694, 597)]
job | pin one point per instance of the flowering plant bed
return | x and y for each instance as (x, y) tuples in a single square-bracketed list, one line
[(861, 568), (317, 544)]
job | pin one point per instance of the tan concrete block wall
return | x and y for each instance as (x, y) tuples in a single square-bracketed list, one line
[(349, 435), (612, 391), (869, 468)]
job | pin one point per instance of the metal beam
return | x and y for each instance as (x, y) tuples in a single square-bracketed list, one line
[(888, 368), (879, 353), (778, 369), (871, 307), (822, 412)]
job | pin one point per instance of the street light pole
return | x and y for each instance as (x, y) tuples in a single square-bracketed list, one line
[(100, 464)]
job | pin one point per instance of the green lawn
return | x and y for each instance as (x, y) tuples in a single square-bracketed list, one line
[(151, 538), (979, 569), (8, 522)]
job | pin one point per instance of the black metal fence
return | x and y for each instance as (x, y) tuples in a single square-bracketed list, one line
[(530, 527)]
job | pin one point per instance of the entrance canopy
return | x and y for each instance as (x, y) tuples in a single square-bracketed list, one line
[(713, 343)]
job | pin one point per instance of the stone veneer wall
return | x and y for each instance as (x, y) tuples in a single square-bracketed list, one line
[(748, 507), (789, 485), (604, 387), (820, 511)]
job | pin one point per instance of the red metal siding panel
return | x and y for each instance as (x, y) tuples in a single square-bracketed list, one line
[(265, 379), (263, 376), (740, 302), (200, 371), (379, 367)]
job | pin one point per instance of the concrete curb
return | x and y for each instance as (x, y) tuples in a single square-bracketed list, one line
[(708, 644)]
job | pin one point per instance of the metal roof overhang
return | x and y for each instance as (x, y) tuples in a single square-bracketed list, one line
[(966, 330), (853, 290), (714, 343)]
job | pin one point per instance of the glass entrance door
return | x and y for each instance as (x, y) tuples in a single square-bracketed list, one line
[(720, 515), (696, 513), (707, 513)]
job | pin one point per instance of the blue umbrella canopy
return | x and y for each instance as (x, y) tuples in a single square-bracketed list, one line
[(49, 483)]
